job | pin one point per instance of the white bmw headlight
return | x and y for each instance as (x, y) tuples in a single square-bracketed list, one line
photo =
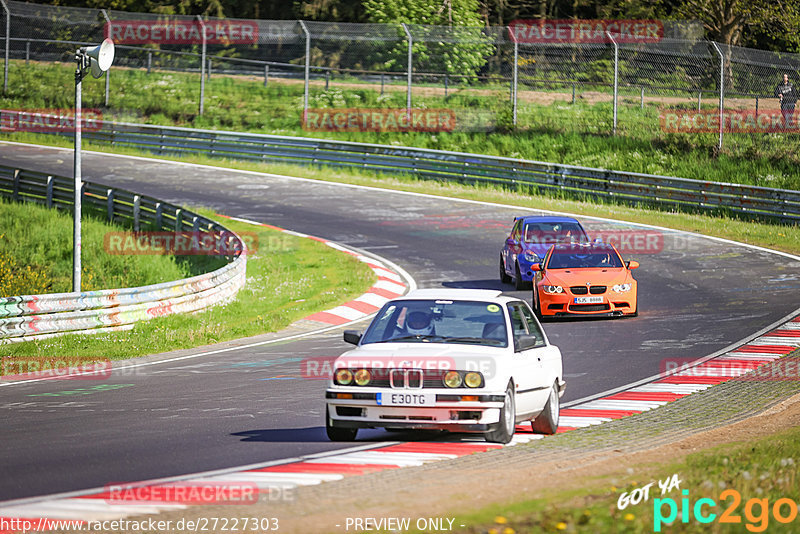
[(621, 288), (553, 290)]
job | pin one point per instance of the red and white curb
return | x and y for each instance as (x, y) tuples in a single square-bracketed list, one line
[(390, 284)]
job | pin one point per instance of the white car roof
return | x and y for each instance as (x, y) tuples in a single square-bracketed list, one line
[(453, 294)]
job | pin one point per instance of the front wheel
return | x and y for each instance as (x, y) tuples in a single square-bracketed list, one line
[(547, 421), (508, 414), (338, 434)]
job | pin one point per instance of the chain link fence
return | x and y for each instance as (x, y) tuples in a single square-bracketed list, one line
[(487, 76)]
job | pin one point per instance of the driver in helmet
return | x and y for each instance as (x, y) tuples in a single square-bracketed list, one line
[(417, 323)]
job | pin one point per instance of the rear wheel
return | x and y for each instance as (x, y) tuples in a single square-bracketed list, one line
[(547, 421), (338, 434), (504, 278), (508, 414)]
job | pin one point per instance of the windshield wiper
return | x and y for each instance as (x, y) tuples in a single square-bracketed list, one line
[(478, 340), (415, 337)]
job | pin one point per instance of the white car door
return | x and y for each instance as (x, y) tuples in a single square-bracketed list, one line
[(527, 362)]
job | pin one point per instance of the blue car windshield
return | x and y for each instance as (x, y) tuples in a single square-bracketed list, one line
[(439, 321), (549, 233)]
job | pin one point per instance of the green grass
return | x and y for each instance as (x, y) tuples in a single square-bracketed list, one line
[(287, 278), (36, 255), (764, 468), (561, 132)]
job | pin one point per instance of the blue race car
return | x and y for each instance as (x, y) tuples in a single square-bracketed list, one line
[(530, 239)]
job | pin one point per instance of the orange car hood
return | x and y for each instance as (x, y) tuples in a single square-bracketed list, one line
[(579, 277)]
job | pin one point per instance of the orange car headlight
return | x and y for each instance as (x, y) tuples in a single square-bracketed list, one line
[(553, 290)]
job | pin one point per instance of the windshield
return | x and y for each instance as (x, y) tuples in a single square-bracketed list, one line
[(439, 321), (549, 233), (572, 259)]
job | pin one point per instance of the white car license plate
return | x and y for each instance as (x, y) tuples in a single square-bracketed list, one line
[(406, 399), (588, 300)]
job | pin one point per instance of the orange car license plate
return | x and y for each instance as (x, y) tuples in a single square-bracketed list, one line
[(588, 300)]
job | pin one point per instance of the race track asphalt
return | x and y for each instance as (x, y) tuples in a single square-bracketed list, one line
[(248, 406)]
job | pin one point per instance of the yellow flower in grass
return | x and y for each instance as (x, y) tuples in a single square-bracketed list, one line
[(500, 520), (508, 530), (561, 526), (629, 517)]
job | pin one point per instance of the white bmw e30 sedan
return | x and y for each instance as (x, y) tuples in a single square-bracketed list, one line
[(461, 360)]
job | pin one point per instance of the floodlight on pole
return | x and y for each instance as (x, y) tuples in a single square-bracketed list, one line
[(98, 60)]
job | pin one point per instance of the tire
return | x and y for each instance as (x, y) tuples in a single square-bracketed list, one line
[(519, 284), (547, 421), (507, 420), (504, 278), (338, 434), (537, 305)]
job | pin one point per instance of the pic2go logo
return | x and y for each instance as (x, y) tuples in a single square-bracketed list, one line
[(756, 511)]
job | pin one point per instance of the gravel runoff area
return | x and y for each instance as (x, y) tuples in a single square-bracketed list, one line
[(757, 404)]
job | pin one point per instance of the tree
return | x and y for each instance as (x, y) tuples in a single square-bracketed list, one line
[(457, 46)]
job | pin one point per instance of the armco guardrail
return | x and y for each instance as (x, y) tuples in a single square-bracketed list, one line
[(628, 187), (36, 316)]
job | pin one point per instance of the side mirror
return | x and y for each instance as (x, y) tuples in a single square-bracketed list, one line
[(536, 267), (632, 264), (525, 342), (352, 336)]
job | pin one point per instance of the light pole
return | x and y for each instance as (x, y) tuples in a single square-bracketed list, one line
[(98, 59)]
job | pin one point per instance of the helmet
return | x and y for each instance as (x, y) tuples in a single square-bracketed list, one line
[(419, 323)]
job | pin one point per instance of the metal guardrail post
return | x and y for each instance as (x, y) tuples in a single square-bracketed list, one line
[(410, 65), (8, 45), (110, 204), (307, 72), (202, 63), (721, 91), (108, 72), (50, 182), (616, 78), (515, 81), (137, 208)]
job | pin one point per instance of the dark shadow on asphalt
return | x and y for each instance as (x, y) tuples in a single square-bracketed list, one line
[(316, 434)]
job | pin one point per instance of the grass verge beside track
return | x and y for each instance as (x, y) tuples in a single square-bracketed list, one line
[(36, 255), (288, 278), (548, 130)]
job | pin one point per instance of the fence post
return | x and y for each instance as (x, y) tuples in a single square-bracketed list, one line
[(8, 45), (202, 63), (137, 208), (266, 75), (50, 181), (641, 105), (381, 84), (108, 72), (410, 65), (721, 91), (308, 66), (327, 79), (149, 61), (616, 78), (208, 71), (699, 99), (445, 84), (515, 79), (27, 52)]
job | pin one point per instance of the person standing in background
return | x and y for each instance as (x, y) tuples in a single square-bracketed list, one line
[(787, 96)]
